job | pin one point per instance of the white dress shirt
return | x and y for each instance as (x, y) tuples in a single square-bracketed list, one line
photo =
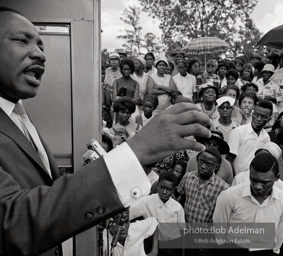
[(170, 212), (237, 205), (243, 143)]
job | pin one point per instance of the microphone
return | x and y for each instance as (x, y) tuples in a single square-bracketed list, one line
[(95, 150), (119, 229)]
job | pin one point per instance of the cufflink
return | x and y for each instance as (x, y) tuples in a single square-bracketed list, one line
[(136, 192)]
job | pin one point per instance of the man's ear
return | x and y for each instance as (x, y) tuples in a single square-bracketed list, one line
[(217, 166)]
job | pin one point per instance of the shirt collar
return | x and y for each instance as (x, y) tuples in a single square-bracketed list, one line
[(160, 204), (247, 191), (211, 179), (7, 106), (251, 130)]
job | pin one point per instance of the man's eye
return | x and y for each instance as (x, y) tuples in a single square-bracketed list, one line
[(22, 40)]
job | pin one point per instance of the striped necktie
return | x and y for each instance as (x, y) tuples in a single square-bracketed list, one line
[(32, 135)]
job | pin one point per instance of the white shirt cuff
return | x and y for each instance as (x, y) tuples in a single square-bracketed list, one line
[(127, 174)]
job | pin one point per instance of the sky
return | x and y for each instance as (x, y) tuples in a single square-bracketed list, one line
[(266, 15)]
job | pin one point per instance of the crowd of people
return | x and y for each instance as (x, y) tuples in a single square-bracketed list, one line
[(206, 146), (243, 157)]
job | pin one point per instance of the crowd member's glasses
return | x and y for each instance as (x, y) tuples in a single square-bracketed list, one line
[(227, 107), (263, 117)]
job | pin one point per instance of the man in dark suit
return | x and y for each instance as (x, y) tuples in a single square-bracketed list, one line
[(39, 209)]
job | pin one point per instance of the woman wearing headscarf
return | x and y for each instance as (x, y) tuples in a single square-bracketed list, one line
[(161, 84), (140, 76)]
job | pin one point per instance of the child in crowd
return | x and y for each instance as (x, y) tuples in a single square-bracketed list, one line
[(149, 104), (130, 238), (124, 107), (120, 136), (164, 208), (234, 92), (247, 102)]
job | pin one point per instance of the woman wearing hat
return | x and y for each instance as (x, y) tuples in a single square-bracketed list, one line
[(216, 140), (208, 95), (268, 89), (113, 72), (140, 76), (161, 84)]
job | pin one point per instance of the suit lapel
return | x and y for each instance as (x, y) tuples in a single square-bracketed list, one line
[(10, 129)]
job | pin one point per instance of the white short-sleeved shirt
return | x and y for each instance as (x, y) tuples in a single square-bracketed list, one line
[(243, 143), (186, 84), (170, 212), (226, 130)]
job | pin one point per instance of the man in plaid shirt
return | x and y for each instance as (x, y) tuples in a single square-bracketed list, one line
[(202, 187)]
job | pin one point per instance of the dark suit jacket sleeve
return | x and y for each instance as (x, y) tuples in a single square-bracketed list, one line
[(40, 217)]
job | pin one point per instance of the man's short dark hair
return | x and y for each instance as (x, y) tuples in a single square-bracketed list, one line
[(168, 176), (265, 162), (7, 9), (212, 151), (265, 104)]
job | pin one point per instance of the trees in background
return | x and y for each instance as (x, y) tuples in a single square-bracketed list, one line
[(181, 20), (135, 42), (132, 36)]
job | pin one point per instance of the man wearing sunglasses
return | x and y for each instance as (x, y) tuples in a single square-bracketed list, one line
[(225, 124)]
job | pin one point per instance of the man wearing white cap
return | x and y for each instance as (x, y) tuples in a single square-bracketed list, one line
[(225, 124)]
